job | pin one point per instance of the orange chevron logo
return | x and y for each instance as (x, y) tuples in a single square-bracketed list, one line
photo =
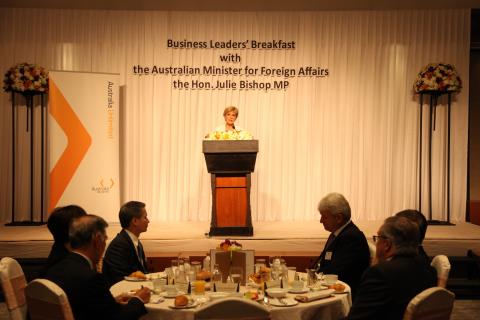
[(79, 142)]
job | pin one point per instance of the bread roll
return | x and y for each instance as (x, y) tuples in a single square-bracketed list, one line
[(338, 287), (181, 301), (203, 275), (138, 275)]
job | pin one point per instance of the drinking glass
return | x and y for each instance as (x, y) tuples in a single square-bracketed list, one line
[(311, 277), (292, 271), (170, 274), (199, 287), (259, 263), (174, 263), (236, 274)]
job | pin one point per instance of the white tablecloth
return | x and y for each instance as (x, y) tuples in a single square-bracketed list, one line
[(335, 307)]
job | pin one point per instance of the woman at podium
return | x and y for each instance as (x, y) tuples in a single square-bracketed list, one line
[(229, 131)]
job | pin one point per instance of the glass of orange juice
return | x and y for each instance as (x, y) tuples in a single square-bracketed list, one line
[(199, 287)]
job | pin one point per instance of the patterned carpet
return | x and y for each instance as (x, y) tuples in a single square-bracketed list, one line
[(462, 310)]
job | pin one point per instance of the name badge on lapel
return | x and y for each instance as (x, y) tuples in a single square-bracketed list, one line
[(328, 255)]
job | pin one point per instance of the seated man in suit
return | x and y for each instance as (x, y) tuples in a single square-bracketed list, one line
[(87, 290), (58, 224), (421, 221), (400, 274), (125, 253), (346, 252)]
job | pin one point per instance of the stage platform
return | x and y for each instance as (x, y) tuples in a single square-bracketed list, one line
[(270, 238)]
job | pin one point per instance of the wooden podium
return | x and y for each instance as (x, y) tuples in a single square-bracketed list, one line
[(230, 163)]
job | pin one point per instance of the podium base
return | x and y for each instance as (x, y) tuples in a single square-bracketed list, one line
[(25, 223), (231, 231), (439, 223)]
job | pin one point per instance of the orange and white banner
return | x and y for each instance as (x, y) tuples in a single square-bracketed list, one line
[(84, 142)]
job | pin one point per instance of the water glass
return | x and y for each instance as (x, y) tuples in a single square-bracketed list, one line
[(236, 274), (258, 264), (170, 274), (158, 284), (311, 277), (292, 272)]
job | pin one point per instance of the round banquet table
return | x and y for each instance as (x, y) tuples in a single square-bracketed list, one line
[(335, 307)]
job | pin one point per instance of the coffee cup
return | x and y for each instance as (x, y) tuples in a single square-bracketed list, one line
[(158, 284), (330, 279), (297, 284), (170, 289)]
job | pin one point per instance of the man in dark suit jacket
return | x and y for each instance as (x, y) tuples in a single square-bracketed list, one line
[(400, 274), (125, 253), (58, 224), (87, 290), (417, 217), (346, 252)]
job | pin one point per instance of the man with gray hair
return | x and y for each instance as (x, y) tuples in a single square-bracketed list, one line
[(87, 290), (346, 252), (400, 274)]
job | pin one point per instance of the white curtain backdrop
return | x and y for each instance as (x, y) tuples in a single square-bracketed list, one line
[(354, 132)]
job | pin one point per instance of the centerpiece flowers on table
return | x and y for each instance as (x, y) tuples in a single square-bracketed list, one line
[(230, 245), (439, 78), (26, 78), (229, 135)]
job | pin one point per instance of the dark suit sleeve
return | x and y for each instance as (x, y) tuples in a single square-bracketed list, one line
[(372, 295), (117, 262), (105, 305)]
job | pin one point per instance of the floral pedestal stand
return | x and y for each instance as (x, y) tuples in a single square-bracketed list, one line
[(434, 95), (29, 99)]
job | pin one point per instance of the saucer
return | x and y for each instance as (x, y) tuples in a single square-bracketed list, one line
[(178, 293), (134, 279), (191, 304), (301, 290), (286, 302)]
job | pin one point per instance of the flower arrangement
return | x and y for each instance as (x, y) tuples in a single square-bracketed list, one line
[(229, 135), (230, 245), (26, 78), (439, 77)]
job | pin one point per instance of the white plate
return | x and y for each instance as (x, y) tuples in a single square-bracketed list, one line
[(319, 288), (156, 299), (166, 295), (134, 279), (178, 293), (287, 302), (303, 290), (191, 304)]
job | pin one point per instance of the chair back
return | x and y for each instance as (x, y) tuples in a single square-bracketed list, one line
[(46, 300), (442, 265), (13, 284), (431, 304), (232, 309)]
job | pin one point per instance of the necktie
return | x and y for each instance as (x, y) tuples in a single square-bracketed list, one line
[(329, 240), (141, 254)]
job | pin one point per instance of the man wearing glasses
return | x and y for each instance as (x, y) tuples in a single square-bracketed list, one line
[(400, 274)]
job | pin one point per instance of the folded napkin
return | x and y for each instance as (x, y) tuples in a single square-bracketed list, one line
[(312, 296)]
